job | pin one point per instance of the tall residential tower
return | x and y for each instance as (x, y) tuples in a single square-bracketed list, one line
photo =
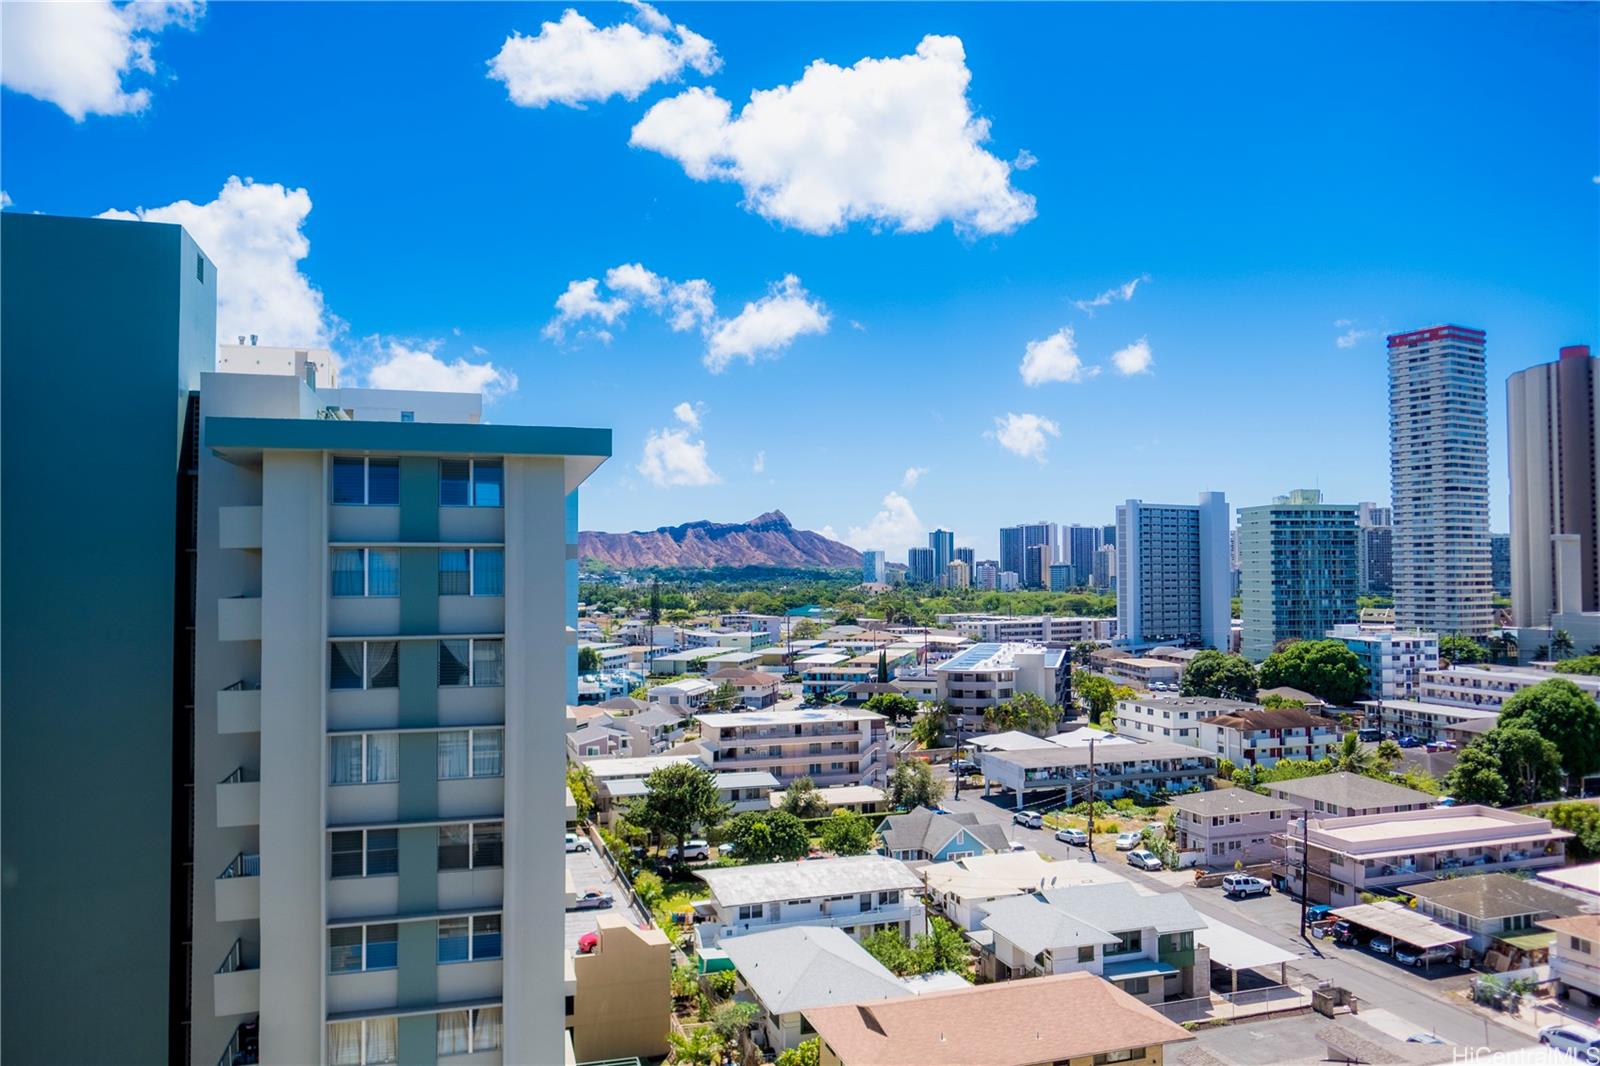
[(1173, 583), (1439, 469), (1298, 570)]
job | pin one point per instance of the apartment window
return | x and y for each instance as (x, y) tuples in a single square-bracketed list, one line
[(1125, 1055), (363, 1043), (467, 753), (363, 948), (199, 270), (1086, 953), (469, 939), (365, 853), (480, 663), (1135, 986), (472, 572), (364, 759), (750, 911), (408, 416), (464, 1032), (365, 572), (361, 480), (1580, 945), (471, 846), (470, 482), (364, 664), (890, 898), (1127, 943)]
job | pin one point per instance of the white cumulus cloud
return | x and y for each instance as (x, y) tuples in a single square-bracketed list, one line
[(79, 55), (1351, 335), (5, 199), (688, 413), (685, 305), (574, 61), (672, 457), (1134, 359), (894, 528), (1121, 294), (1025, 434), (254, 233), (760, 464), (912, 475), (1055, 358), (893, 142), (582, 300), (400, 364), (766, 326)]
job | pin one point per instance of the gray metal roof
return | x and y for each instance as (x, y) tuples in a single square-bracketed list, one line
[(1345, 789), (926, 830), (734, 886), (802, 967), (1120, 907), (1230, 801), (1034, 925)]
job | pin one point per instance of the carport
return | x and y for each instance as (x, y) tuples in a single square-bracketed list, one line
[(1234, 949), (1402, 925)]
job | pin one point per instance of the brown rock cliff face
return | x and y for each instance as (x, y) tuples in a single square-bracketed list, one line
[(766, 540)]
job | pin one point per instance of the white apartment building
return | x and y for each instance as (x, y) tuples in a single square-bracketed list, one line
[(619, 780), (1393, 659), (1483, 686), (1174, 578), (1258, 736), (1174, 718), (1029, 629), (987, 675), (382, 660), (1439, 470), (861, 895), (830, 745)]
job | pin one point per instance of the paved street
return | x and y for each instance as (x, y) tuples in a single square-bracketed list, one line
[(1413, 998)]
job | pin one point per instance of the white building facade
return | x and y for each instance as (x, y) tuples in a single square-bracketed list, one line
[(1174, 582)]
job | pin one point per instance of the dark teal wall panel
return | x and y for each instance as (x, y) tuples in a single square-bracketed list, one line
[(419, 683), (419, 869), (419, 776), (419, 498)]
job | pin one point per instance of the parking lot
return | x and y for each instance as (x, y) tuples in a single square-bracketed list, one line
[(589, 871)]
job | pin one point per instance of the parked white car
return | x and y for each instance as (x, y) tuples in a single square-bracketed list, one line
[(1129, 840), (1574, 1038), (1031, 819), (576, 843), (1072, 836), (1242, 885), (1145, 859), (693, 851)]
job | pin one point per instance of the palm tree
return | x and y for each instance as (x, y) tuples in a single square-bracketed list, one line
[(1351, 756), (700, 1046), (1511, 646), (1497, 647), (1561, 644)]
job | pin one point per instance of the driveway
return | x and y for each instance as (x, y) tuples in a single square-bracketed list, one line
[(589, 871)]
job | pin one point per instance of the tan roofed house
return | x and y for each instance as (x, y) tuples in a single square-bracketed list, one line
[(1067, 1018)]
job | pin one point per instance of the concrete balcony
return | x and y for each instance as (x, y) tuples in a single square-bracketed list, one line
[(239, 618), (238, 890), (239, 708), (239, 527), (236, 986), (238, 800)]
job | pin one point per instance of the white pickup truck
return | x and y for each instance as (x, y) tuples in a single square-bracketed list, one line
[(1242, 885)]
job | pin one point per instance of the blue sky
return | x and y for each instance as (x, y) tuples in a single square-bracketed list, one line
[(1269, 171)]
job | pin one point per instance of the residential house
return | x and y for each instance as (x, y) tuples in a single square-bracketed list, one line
[(788, 971), (601, 737), (963, 890), (1580, 882), (1073, 1018), (1062, 772), (1260, 737), (830, 745), (862, 799), (1344, 857), (923, 835), (756, 689), (860, 894), (1575, 957), (1231, 825), (684, 696), (1344, 795), (1497, 909), (1144, 944), (618, 780), (653, 731), (1174, 718), (619, 995)]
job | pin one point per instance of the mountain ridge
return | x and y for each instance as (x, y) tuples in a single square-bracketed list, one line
[(768, 539)]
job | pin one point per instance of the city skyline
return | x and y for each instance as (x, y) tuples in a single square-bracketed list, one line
[(1122, 296)]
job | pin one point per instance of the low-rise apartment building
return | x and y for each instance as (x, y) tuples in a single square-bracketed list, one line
[(1345, 857), (962, 890), (1063, 772), (755, 688), (987, 675), (1231, 825), (860, 894), (684, 696), (1496, 909), (1261, 736), (1143, 944), (1145, 671), (830, 745), (1029, 629), (618, 780), (1394, 660), (1483, 686), (1345, 795), (1174, 718), (862, 799), (1426, 721), (1013, 1023), (1575, 958)]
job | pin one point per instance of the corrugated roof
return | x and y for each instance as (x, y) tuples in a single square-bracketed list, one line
[(809, 966)]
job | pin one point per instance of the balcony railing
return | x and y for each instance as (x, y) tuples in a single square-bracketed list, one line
[(234, 961), (242, 865), (243, 1047), (240, 776)]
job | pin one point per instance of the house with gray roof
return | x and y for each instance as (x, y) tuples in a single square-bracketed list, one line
[(1495, 908), (787, 971), (1344, 794), (1142, 944), (1231, 825), (923, 835)]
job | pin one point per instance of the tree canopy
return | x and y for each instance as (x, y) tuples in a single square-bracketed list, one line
[(1563, 714), (1476, 778), (802, 799), (588, 660), (1026, 711), (1459, 650), (847, 833), (895, 706), (1325, 668), (1219, 676), (1583, 664), (1098, 695), (912, 784), (677, 800), (929, 728), (768, 836), (942, 947)]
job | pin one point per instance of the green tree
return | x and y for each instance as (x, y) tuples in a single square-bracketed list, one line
[(1026, 711), (1276, 702), (1083, 652), (847, 833), (1583, 664), (725, 698), (648, 887), (883, 668), (1581, 819), (700, 1046), (929, 728), (1460, 650), (1561, 644), (733, 1017), (1475, 778), (581, 783), (655, 601), (1351, 756), (805, 629), (942, 947), (805, 1053), (1219, 676), (1565, 715), (588, 660), (1389, 752), (1099, 695), (678, 799), (802, 799), (895, 706), (890, 948), (912, 784), (1325, 668), (1529, 764), (767, 836)]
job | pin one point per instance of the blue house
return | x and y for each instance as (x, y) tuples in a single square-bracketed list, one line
[(923, 835)]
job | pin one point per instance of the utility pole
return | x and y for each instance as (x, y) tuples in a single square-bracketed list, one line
[(1092, 793), (958, 755), (1305, 854)]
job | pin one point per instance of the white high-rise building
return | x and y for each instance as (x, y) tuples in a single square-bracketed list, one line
[(381, 662), (1439, 469), (1173, 573), (874, 567)]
